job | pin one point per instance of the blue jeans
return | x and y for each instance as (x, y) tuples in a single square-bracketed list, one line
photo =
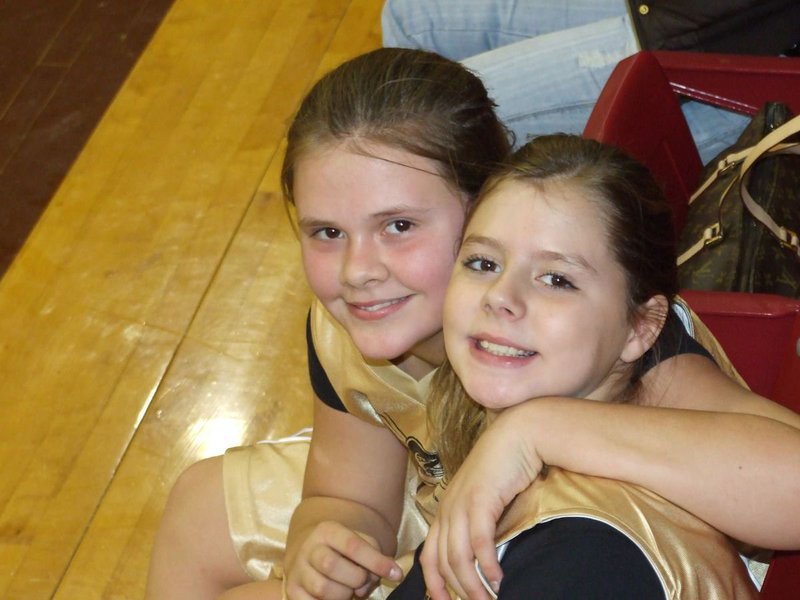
[(543, 61)]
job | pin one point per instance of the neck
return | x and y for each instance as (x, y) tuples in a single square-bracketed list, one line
[(423, 358), (414, 366)]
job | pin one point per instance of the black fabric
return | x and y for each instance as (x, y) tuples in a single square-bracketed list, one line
[(413, 585), (565, 559), (320, 382), (672, 341), (762, 27), (577, 558)]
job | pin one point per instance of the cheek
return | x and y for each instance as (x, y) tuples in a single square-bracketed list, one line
[(454, 320), (319, 273), (459, 301), (592, 342), (574, 332), (451, 308), (430, 268)]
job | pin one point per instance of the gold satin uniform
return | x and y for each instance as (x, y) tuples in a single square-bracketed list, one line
[(690, 558), (263, 482)]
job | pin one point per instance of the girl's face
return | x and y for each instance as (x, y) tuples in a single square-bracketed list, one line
[(537, 303), (378, 237)]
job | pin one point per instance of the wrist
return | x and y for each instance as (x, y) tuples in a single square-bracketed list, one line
[(523, 430), (359, 518)]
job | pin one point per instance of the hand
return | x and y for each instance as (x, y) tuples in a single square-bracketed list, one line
[(501, 465), (334, 562)]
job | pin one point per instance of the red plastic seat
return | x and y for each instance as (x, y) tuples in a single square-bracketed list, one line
[(639, 111)]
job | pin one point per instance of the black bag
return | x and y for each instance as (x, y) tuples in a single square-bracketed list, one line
[(741, 230)]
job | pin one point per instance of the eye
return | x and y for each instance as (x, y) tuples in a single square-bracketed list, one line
[(481, 264), (557, 280), (327, 233), (400, 226)]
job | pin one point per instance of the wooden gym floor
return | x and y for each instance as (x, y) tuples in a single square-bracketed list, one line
[(154, 314), (62, 63)]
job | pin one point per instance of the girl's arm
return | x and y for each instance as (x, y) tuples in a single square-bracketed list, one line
[(342, 536), (733, 460)]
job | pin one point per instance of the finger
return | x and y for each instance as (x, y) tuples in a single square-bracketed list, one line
[(365, 589), (329, 563), (429, 559), (363, 550), (483, 543), (297, 592), (359, 549), (446, 560), (312, 584), (465, 578)]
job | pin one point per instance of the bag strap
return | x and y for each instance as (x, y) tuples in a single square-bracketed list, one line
[(772, 139), (785, 236), (727, 162), (771, 144), (710, 236)]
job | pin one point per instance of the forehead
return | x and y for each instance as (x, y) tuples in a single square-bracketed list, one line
[(345, 172), (522, 204), (376, 155)]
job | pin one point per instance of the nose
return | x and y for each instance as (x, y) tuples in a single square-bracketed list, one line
[(363, 263), (502, 298)]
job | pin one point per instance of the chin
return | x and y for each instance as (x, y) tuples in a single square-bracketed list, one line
[(497, 398), (487, 396), (381, 355), (383, 350)]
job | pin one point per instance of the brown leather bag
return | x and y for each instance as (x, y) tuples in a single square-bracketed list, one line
[(741, 232)]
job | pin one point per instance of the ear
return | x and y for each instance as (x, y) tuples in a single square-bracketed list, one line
[(647, 324)]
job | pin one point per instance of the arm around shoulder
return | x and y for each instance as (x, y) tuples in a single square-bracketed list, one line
[(702, 441)]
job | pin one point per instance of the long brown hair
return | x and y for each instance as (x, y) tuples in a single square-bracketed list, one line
[(640, 233)]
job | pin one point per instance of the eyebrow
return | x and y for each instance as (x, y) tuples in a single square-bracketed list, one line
[(570, 259), (401, 209), (394, 211), (482, 240), (312, 223)]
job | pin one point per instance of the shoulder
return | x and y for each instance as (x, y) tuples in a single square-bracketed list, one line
[(576, 557)]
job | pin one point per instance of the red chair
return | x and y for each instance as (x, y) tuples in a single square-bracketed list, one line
[(639, 112)]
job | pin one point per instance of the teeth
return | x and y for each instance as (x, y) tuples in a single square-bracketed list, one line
[(377, 307), (499, 350)]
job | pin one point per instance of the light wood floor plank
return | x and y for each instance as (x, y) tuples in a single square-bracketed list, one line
[(156, 314)]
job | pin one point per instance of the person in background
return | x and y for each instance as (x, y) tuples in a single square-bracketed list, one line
[(546, 61)]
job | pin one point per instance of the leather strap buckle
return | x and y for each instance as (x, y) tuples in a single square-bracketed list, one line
[(789, 239), (713, 235)]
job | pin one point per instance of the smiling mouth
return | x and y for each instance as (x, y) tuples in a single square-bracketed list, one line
[(505, 351), (378, 306)]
